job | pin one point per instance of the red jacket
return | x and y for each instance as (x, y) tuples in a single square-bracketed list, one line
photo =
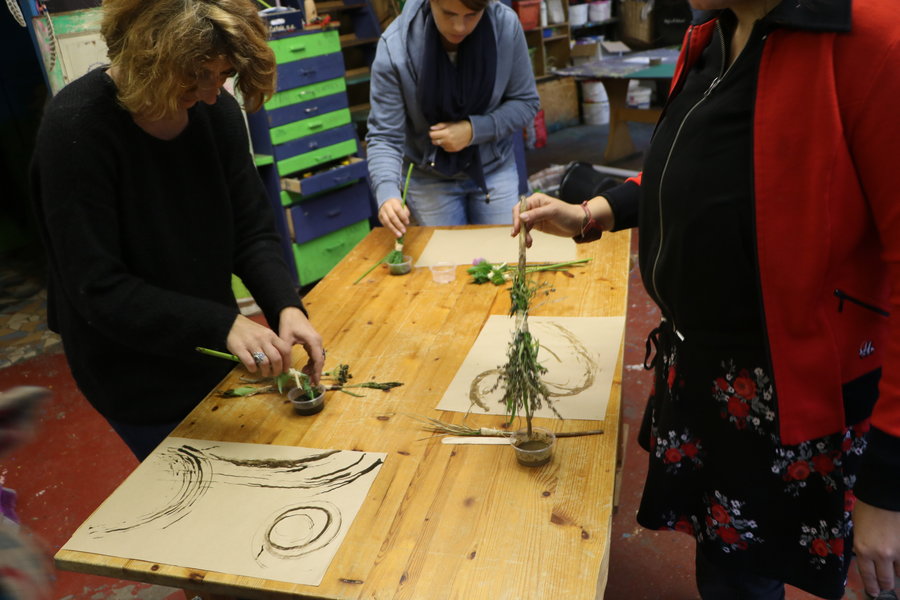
[(827, 201)]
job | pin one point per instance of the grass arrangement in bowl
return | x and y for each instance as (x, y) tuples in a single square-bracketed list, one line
[(397, 262)]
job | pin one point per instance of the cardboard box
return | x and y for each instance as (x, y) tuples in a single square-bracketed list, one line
[(585, 53)]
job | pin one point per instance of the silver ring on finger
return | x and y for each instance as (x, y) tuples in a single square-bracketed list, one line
[(258, 357)]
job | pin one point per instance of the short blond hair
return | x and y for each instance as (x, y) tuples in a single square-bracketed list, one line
[(156, 47)]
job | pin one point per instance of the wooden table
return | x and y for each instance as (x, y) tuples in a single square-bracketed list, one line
[(440, 521), (615, 72)]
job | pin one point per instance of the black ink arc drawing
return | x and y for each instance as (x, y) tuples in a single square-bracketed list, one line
[(292, 531), (572, 350)]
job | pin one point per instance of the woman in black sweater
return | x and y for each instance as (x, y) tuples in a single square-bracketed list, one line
[(148, 201)]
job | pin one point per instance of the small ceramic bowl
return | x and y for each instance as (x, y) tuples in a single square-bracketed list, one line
[(304, 405), (443, 272), (401, 268)]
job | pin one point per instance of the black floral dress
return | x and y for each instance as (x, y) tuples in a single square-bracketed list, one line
[(718, 470)]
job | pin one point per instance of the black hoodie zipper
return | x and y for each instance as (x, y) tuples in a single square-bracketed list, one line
[(654, 289)]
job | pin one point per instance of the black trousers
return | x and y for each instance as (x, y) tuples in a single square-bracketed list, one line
[(720, 583)]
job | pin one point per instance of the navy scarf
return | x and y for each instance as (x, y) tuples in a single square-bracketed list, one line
[(448, 92)]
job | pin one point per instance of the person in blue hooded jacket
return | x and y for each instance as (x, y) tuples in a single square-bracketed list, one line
[(451, 85)]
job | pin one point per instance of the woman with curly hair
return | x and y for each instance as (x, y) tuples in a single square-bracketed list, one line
[(149, 200)]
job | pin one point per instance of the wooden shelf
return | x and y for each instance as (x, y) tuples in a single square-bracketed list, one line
[(359, 112), (358, 75), (609, 21), (337, 5), (350, 39)]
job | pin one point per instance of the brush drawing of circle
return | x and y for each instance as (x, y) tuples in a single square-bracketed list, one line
[(297, 530)]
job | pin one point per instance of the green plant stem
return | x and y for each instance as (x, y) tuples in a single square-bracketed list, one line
[(217, 354), (396, 255), (556, 266), (372, 268)]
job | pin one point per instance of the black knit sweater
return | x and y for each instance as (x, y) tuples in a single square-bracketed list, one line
[(142, 237)]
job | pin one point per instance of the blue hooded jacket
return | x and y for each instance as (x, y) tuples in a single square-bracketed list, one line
[(396, 126)]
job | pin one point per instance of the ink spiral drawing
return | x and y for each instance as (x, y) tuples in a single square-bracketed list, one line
[(248, 509)]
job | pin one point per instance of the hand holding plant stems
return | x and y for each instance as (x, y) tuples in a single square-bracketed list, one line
[(523, 389), (280, 383), (395, 256)]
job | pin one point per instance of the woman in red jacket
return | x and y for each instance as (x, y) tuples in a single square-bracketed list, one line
[(770, 238)]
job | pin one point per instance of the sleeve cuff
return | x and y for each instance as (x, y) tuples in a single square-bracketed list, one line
[(623, 200), (879, 473), (481, 129), (385, 192)]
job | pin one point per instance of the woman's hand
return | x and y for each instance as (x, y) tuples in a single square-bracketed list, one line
[(295, 328), (876, 542), (248, 338), (452, 137), (394, 216), (547, 214), (552, 215)]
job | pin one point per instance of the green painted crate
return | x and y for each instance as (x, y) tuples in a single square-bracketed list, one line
[(316, 157), (299, 129), (305, 46), (307, 93), (317, 257)]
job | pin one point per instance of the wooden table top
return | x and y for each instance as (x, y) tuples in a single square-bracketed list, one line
[(440, 521)]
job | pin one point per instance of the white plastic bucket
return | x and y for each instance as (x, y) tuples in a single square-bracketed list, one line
[(593, 91), (599, 10), (639, 97), (595, 113), (578, 14)]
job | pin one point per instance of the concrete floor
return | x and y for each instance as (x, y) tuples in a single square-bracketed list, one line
[(75, 460)]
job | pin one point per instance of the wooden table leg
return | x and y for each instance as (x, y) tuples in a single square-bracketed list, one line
[(619, 144)]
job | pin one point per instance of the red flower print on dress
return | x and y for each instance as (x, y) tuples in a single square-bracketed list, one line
[(744, 386), (824, 542), (849, 500), (798, 470), (682, 523), (801, 464), (820, 547), (684, 526), (745, 398), (729, 535), (824, 463), (726, 524), (719, 514), (837, 546), (738, 408), (677, 450), (690, 449)]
